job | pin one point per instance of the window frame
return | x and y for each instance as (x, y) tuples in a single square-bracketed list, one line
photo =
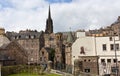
[(87, 70), (114, 47), (102, 60), (104, 47), (117, 46), (108, 60), (111, 46)]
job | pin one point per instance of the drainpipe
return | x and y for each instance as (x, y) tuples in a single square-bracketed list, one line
[(96, 56)]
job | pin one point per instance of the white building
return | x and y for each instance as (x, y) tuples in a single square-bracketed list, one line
[(103, 47)]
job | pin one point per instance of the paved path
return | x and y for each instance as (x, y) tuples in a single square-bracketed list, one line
[(60, 73)]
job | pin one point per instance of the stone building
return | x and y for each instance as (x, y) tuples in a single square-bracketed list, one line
[(32, 41), (113, 29), (12, 54), (68, 52), (50, 40), (47, 55), (4, 60), (3, 41), (89, 64), (3, 38), (36, 42), (59, 59), (116, 26), (2, 31), (97, 54)]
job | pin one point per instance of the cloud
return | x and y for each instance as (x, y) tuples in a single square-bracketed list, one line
[(58, 1), (78, 14)]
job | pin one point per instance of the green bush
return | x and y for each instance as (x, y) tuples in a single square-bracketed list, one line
[(7, 70)]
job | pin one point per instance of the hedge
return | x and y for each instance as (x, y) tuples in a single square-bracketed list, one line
[(7, 70)]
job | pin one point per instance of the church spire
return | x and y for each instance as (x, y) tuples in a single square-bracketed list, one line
[(49, 23), (49, 13)]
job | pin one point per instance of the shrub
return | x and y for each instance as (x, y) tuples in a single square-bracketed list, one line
[(7, 70)]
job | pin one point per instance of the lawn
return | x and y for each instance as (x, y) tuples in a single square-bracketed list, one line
[(27, 74)]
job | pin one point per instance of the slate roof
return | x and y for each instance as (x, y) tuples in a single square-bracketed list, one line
[(24, 35), (3, 50), (70, 38)]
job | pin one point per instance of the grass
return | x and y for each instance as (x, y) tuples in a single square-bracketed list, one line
[(27, 74)]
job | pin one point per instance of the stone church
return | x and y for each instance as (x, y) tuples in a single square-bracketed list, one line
[(33, 41), (44, 46)]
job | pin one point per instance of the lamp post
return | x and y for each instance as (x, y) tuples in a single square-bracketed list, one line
[(116, 65)]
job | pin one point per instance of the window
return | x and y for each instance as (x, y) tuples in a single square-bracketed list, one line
[(114, 69), (110, 38), (29, 36), (34, 36), (89, 60), (114, 60), (108, 60), (102, 60), (51, 39), (117, 46), (40, 58), (15, 37), (111, 47), (42, 53), (85, 60), (87, 70), (19, 36), (104, 47)]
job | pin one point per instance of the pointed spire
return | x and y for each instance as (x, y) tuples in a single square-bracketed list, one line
[(49, 13), (49, 23)]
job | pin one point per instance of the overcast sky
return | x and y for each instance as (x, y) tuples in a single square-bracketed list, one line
[(16, 15)]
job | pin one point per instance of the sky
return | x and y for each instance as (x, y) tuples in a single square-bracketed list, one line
[(16, 15)]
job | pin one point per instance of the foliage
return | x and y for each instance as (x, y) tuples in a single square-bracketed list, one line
[(7, 70), (27, 74)]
